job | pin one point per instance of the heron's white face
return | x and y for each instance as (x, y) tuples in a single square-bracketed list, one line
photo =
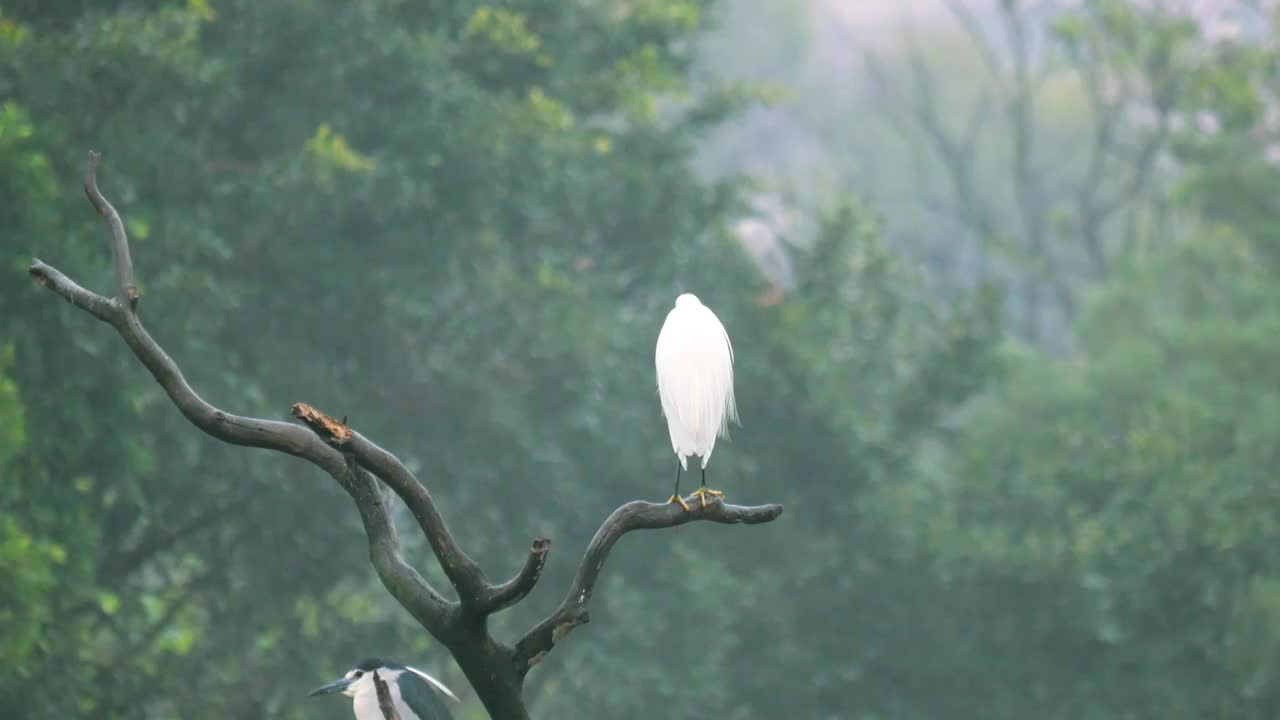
[(362, 681), (687, 299)]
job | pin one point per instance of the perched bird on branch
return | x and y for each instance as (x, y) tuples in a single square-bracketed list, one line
[(415, 694), (694, 360)]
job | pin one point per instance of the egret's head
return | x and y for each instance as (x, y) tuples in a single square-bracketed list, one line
[(688, 299), (359, 679)]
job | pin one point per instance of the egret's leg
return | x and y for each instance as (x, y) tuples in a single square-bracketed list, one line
[(675, 494), (704, 491)]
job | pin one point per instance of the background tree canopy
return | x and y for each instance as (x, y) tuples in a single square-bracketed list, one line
[(999, 281)]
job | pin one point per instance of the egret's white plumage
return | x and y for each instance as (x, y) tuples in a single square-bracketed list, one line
[(694, 360)]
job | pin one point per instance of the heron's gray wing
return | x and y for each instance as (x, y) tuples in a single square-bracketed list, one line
[(422, 699)]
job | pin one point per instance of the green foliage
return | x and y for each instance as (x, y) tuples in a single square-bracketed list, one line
[(27, 564), (1104, 527), (1121, 501), (460, 224)]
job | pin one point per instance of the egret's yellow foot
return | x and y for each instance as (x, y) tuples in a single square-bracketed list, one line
[(678, 499), (702, 494)]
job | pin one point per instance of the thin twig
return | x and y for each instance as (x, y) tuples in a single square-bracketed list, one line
[(128, 292), (514, 590), (971, 26)]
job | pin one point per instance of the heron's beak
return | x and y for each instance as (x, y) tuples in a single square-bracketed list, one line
[(334, 687)]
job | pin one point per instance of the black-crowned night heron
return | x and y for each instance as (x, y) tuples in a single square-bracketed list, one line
[(416, 694)]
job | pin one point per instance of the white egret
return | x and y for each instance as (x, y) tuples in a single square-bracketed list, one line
[(694, 360)]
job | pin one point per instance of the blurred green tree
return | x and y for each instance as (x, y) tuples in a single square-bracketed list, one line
[(1103, 524)]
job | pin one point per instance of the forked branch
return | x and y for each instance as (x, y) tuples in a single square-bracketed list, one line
[(496, 671), (635, 515), (467, 577)]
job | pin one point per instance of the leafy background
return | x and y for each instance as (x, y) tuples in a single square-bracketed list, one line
[(999, 277)]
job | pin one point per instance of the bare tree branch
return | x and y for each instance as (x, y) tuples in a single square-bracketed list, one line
[(409, 587), (357, 465), (467, 577), (385, 704), (404, 583), (119, 241), (1107, 116), (68, 290), (1145, 162), (973, 29), (972, 207), (233, 429), (635, 515), (509, 593)]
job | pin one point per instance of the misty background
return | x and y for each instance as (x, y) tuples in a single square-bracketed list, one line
[(999, 275)]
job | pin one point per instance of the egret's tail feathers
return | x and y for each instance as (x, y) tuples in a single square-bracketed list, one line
[(730, 413)]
